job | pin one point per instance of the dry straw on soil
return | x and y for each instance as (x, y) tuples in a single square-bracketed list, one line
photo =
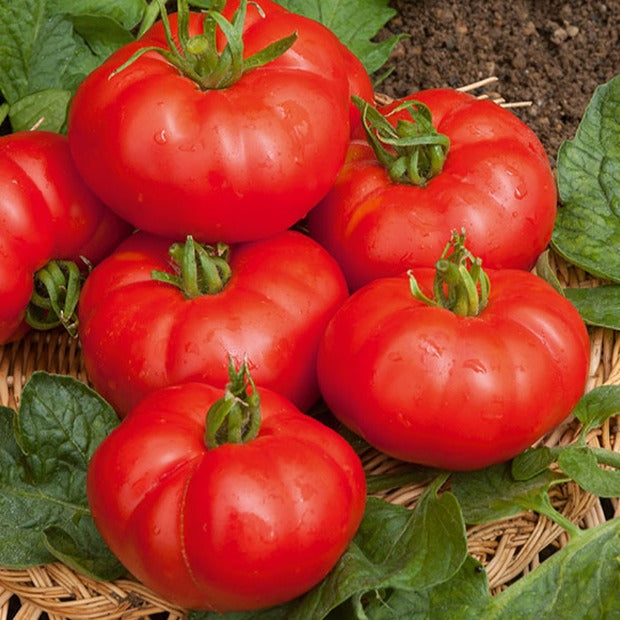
[(508, 548)]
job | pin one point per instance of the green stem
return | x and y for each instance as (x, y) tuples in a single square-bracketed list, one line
[(542, 504), (413, 152), (198, 269), (199, 59), (235, 418), (460, 284), (606, 457), (55, 296)]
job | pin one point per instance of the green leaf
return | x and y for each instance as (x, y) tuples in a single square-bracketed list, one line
[(582, 576), (582, 580), (34, 50), (493, 493), (581, 464), (596, 406), (599, 306), (44, 453), (98, 563), (532, 462), (465, 596), (52, 45), (45, 110), (587, 228), (103, 34), (127, 13), (355, 22)]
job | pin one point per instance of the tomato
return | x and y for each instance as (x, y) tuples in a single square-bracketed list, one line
[(222, 160), (46, 212), (496, 182), (236, 526), (139, 334), (453, 391)]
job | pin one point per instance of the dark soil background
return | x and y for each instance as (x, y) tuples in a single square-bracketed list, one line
[(548, 52)]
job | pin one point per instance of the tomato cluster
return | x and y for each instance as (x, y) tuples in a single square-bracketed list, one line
[(290, 242)]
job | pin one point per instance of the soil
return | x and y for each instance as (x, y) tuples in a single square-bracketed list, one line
[(550, 53)]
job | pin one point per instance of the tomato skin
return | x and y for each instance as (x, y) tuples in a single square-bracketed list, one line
[(496, 183), (237, 527), (138, 334), (425, 385), (225, 165), (46, 212)]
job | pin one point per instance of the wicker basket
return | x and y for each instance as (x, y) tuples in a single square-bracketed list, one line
[(508, 548)]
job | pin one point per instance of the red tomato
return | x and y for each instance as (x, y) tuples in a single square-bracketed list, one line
[(425, 385), (237, 527), (139, 334), (46, 212), (227, 164), (496, 183)]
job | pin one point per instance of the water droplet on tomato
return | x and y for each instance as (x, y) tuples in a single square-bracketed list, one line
[(520, 192), (475, 365), (160, 137), (430, 347)]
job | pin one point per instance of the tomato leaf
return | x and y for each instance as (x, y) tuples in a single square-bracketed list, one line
[(47, 46), (597, 305), (45, 110), (45, 448), (98, 563), (493, 493), (355, 22), (583, 575), (464, 596), (102, 34), (532, 462), (595, 407), (582, 465), (127, 13), (35, 49), (587, 228)]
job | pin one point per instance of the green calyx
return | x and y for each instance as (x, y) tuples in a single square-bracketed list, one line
[(198, 57), (235, 418), (460, 284), (198, 269), (413, 152), (55, 296)]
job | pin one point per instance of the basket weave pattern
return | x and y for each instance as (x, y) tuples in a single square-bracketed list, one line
[(508, 548)]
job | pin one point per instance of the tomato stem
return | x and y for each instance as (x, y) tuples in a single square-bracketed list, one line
[(413, 151), (460, 284), (198, 269), (55, 297), (234, 418), (198, 57)]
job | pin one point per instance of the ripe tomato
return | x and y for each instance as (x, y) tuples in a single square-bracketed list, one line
[(222, 160), (46, 212), (139, 334), (239, 526), (496, 182), (426, 385)]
